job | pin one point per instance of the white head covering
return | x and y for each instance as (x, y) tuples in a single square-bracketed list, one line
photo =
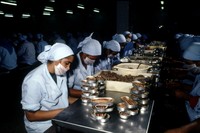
[(90, 46), (134, 37), (127, 33), (55, 52), (138, 35), (185, 42), (112, 45), (192, 52), (47, 47), (120, 38), (22, 37), (178, 35), (39, 36)]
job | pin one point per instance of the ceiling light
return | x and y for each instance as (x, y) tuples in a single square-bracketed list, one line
[(1, 13), (8, 15), (26, 15), (80, 6), (48, 8), (46, 13), (69, 12), (12, 3), (161, 26), (96, 10)]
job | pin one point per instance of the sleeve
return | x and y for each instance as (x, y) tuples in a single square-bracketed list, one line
[(70, 80), (31, 95)]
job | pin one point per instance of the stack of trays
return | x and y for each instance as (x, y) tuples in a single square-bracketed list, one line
[(92, 87), (101, 106), (127, 108), (140, 93)]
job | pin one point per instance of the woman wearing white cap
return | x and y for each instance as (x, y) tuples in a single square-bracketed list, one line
[(44, 89), (90, 52), (120, 38), (110, 49)]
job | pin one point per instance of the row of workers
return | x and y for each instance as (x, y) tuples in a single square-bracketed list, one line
[(186, 86), (47, 89)]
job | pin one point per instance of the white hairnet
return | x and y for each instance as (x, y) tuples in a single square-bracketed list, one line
[(127, 33), (22, 37), (138, 35), (134, 37), (185, 42), (39, 36), (192, 52), (90, 46), (120, 38), (112, 45), (55, 52), (178, 35)]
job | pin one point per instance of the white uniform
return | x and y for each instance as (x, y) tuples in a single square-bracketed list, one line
[(194, 113), (79, 74), (40, 92), (26, 53), (8, 60), (105, 64)]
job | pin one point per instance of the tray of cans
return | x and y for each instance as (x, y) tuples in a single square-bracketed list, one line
[(100, 108), (92, 87), (128, 107), (100, 116)]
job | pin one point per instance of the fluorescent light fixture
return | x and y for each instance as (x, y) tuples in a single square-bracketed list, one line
[(48, 8), (69, 12), (1, 13), (12, 3), (161, 26), (8, 15), (162, 2), (96, 10), (80, 6), (162, 7), (52, 1), (25, 15), (46, 13)]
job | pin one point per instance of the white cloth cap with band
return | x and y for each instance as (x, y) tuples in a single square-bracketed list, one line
[(55, 52)]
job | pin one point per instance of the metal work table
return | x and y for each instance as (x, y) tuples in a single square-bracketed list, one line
[(77, 117)]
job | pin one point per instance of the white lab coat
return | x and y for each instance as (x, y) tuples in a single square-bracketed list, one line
[(8, 60), (79, 74), (40, 92), (104, 64), (26, 53)]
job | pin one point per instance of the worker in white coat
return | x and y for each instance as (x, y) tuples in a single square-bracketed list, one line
[(44, 89), (90, 52), (110, 50)]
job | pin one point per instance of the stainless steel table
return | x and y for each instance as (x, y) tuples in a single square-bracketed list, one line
[(77, 117)]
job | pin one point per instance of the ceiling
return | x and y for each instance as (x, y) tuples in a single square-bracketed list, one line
[(144, 14), (36, 7)]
